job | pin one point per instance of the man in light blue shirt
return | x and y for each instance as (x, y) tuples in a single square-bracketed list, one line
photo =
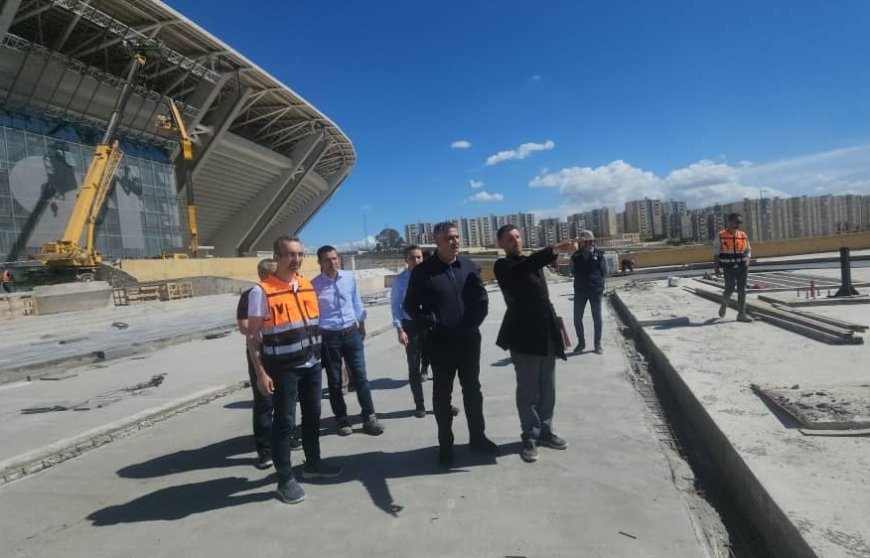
[(342, 325), (410, 335)]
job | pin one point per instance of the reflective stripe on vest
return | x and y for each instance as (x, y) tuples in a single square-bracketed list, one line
[(732, 246), (291, 330)]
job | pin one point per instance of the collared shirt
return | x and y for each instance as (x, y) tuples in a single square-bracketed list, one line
[(397, 297), (339, 300)]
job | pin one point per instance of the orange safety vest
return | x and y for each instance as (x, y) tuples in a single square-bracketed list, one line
[(732, 247), (291, 331)]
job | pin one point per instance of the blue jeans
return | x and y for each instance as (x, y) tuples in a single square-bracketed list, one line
[(292, 383), (262, 414), (580, 300), (346, 345)]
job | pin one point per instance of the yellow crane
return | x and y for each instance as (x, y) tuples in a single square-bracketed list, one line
[(68, 252), (176, 123)]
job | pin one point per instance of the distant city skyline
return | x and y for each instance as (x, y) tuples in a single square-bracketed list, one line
[(767, 218)]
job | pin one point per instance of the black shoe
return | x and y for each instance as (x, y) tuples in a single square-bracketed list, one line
[(295, 444), (420, 411), (321, 469), (264, 461), (290, 492), (485, 445), (553, 442), (599, 350), (454, 410), (529, 453), (580, 347), (445, 456)]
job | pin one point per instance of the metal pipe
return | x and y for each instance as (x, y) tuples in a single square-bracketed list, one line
[(846, 288)]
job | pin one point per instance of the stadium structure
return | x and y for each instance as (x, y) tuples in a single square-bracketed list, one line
[(265, 160)]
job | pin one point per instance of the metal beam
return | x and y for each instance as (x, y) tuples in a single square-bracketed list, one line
[(314, 150), (220, 120), (61, 41), (314, 206), (7, 15), (230, 236)]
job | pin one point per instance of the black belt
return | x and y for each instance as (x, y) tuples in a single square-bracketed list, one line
[(346, 331)]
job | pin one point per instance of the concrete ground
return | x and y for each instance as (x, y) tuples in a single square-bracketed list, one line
[(186, 486), (819, 483)]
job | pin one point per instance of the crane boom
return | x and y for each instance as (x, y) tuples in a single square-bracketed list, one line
[(68, 251)]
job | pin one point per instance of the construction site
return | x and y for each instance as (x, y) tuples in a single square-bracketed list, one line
[(145, 167)]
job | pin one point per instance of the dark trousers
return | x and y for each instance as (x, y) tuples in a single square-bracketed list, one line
[(346, 345), (581, 297), (262, 414), (536, 393), (414, 354), (464, 360), (735, 277), (292, 382)]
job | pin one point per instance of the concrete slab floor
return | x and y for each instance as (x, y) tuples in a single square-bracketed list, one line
[(820, 483), (187, 487)]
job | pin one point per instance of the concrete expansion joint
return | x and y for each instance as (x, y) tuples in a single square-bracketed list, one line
[(77, 447)]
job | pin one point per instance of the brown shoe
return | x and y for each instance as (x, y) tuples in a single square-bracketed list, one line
[(372, 426)]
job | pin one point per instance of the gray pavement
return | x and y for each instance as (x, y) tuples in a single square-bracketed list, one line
[(186, 486), (819, 484)]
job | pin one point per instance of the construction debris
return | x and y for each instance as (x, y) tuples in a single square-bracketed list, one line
[(823, 408)]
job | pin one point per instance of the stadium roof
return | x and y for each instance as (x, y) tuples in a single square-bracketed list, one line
[(266, 159)]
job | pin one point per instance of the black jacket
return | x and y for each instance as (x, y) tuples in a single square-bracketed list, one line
[(589, 270), (529, 325), (451, 302)]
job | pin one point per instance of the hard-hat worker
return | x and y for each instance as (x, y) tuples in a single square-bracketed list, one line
[(732, 253)]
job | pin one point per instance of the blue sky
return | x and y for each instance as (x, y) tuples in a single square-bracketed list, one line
[(588, 103)]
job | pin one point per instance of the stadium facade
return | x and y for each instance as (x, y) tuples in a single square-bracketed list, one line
[(265, 160)]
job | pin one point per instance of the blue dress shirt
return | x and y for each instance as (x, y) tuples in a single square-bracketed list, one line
[(339, 301), (397, 297)]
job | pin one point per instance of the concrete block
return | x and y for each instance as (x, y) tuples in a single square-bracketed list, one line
[(72, 297)]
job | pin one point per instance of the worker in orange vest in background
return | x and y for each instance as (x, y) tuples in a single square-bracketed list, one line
[(6, 279), (732, 253)]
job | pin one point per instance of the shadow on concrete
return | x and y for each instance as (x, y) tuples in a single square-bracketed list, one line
[(212, 456), (178, 502), (374, 469), (675, 323), (781, 414), (387, 383), (249, 404)]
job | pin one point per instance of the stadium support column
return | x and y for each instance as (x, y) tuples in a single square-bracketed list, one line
[(8, 9), (263, 211)]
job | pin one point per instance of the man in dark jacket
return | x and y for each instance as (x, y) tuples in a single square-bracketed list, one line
[(533, 337), (589, 269), (446, 296)]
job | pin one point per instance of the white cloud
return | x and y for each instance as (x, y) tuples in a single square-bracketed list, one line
[(705, 182), (521, 152), (486, 197), (477, 183), (460, 144), (610, 185)]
